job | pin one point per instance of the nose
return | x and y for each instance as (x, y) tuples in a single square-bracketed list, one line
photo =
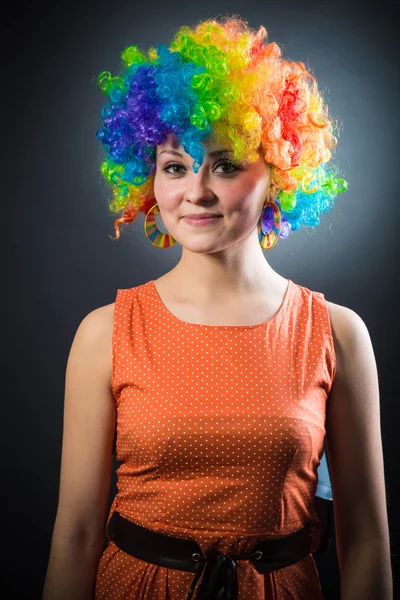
[(198, 187)]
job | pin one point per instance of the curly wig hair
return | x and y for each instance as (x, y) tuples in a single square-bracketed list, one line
[(219, 77)]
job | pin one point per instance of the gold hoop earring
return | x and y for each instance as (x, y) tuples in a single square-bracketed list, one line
[(268, 241), (156, 237)]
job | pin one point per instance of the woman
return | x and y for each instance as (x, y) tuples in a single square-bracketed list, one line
[(225, 376)]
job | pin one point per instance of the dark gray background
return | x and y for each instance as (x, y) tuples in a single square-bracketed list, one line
[(60, 263)]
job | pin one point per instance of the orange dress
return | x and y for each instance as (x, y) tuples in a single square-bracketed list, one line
[(220, 430)]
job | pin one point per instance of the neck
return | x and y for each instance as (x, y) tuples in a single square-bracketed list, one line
[(222, 275)]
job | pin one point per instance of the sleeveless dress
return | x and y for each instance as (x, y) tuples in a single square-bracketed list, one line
[(220, 431)]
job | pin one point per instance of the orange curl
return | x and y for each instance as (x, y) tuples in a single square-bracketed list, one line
[(128, 216), (316, 124)]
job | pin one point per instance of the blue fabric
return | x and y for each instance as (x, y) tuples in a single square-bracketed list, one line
[(324, 487)]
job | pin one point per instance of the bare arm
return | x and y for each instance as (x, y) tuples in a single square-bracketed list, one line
[(88, 436), (356, 462)]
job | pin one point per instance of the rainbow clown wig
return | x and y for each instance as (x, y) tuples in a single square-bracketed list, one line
[(223, 78)]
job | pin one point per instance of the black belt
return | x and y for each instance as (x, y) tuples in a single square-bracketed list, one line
[(219, 581)]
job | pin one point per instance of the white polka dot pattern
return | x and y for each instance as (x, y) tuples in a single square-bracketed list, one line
[(220, 431)]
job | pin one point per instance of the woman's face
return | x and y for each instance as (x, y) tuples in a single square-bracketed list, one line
[(236, 191)]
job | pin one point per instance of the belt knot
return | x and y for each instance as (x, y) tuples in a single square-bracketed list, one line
[(220, 576)]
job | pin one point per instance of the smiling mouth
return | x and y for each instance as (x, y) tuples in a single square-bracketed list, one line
[(196, 222)]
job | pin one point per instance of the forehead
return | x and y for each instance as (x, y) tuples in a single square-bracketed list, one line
[(211, 143)]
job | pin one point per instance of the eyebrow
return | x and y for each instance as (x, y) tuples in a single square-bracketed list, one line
[(212, 154)]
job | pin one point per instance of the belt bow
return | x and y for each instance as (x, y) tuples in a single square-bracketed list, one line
[(220, 576)]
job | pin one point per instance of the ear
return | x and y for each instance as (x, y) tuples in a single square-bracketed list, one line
[(273, 192)]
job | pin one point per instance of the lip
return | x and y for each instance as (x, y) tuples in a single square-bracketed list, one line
[(203, 221)]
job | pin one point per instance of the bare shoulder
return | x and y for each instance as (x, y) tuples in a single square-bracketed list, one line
[(100, 320), (343, 318), (347, 328), (96, 328)]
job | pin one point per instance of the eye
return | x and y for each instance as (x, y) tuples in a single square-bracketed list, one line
[(172, 166), (228, 163)]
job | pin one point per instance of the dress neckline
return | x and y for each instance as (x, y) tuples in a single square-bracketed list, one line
[(279, 314)]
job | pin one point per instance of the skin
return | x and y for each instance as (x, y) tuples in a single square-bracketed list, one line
[(222, 268)]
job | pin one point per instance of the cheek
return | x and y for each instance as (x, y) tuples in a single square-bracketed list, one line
[(165, 193), (247, 195), (159, 187)]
